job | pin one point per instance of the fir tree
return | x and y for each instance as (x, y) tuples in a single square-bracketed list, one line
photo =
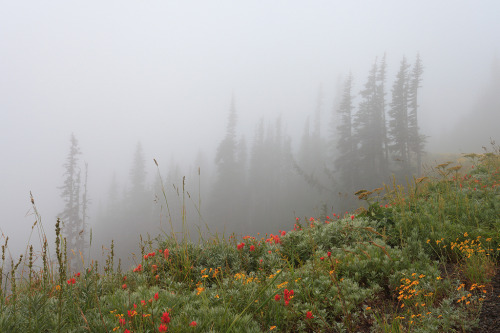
[(139, 198), (138, 173), (416, 141), (226, 197), (76, 200), (369, 132), (381, 76), (399, 121), (346, 162)]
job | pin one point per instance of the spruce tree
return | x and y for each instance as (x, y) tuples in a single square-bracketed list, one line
[(346, 161), (225, 198), (76, 200), (369, 132), (399, 122), (225, 158), (139, 197), (381, 76), (416, 140), (138, 173)]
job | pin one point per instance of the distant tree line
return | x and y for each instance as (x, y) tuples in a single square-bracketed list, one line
[(370, 137), (363, 147)]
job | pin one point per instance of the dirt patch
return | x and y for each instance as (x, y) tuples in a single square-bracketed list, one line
[(489, 319)]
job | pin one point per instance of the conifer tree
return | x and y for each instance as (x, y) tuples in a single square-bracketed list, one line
[(399, 122), (346, 162), (225, 199), (139, 197), (138, 173), (369, 131), (76, 200), (381, 76), (416, 140), (225, 157)]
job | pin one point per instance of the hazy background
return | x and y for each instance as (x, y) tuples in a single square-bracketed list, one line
[(163, 73)]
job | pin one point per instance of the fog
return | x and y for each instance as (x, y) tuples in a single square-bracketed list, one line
[(165, 74)]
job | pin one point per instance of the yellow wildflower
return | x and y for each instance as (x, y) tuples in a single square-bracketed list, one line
[(282, 285)]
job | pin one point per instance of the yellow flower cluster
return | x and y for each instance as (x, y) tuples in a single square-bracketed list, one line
[(213, 271), (414, 298), (282, 285), (245, 279), (409, 287), (466, 298), (469, 247)]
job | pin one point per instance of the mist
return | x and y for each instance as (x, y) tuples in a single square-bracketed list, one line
[(158, 80)]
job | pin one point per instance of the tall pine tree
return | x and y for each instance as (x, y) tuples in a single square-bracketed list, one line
[(399, 122), (416, 140), (370, 128), (226, 199), (76, 201), (346, 162)]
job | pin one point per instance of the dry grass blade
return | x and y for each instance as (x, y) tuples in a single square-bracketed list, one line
[(381, 247)]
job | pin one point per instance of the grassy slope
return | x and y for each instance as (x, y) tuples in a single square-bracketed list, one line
[(418, 259)]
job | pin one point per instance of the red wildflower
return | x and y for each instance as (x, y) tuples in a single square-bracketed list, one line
[(124, 286), (193, 324), (166, 253), (322, 258), (162, 328), (352, 217), (252, 248), (156, 296), (77, 274), (122, 321), (154, 268), (143, 302), (309, 315), (274, 238), (138, 268), (165, 318), (311, 219), (240, 246), (126, 331), (287, 296), (145, 256), (283, 233), (329, 254), (277, 297), (71, 281)]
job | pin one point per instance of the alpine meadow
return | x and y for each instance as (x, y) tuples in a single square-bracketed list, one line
[(252, 166)]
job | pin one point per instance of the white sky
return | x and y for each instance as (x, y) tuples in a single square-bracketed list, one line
[(163, 72)]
